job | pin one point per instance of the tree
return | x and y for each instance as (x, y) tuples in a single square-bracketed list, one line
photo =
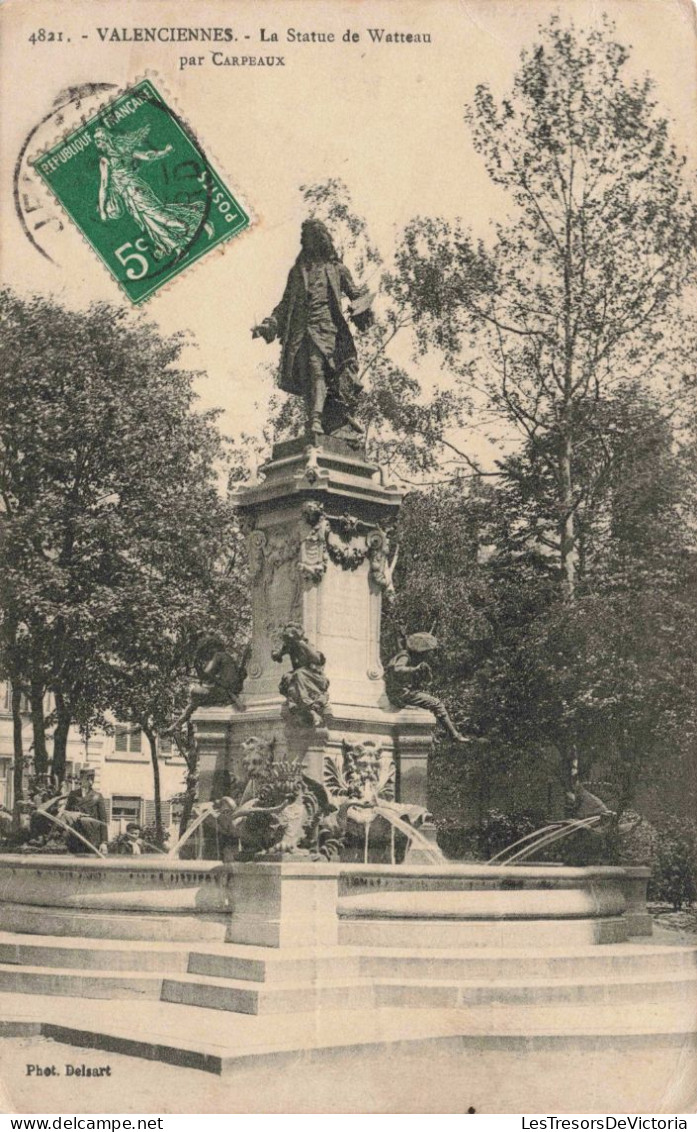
[(610, 678), (582, 291), (441, 586), (114, 530), (168, 621), (13, 666)]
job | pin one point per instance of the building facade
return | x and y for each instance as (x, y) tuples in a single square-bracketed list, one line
[(122, 766)]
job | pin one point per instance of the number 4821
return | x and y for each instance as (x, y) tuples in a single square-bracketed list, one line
[(44, 36)]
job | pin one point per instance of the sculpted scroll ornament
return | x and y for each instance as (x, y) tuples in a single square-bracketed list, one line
[(312, 562), (344, 539), (256, 546), (347, 542), (381, 569)]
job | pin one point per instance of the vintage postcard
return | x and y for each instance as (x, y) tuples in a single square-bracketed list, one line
[(348, 493)]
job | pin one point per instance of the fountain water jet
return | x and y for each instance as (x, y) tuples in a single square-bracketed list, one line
[(542, 838)]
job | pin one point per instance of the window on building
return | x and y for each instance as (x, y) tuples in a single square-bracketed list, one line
[(149, 814), (6, 782), (128, 739), (72, 773), (6, 699), (164, 745), (128, 808)]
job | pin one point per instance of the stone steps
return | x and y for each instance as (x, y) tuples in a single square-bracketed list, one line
[(275, 967), (254, 980), (264, 964), (92, 954), (583, 1058), (438, 994), (268, 998), (22, 979), (278, 998), (609, 962), (250, 997)]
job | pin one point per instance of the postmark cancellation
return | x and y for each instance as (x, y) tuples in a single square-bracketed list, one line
[(136, 182)]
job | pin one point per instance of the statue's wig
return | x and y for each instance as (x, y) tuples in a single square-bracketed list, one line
[(317, 240)]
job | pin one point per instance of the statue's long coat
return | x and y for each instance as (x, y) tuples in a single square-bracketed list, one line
[(290, 317)]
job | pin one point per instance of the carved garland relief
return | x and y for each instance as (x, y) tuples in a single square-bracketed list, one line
[(278, 589), (348, 542)]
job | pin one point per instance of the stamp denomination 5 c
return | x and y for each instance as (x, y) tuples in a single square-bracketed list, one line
[(136, 182)]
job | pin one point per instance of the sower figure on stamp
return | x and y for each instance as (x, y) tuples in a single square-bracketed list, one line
[(406, 674), (121, 189), (318, 358)]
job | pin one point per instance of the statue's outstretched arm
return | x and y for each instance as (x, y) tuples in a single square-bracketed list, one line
[(351, 289), (270, 328), (361, 313)]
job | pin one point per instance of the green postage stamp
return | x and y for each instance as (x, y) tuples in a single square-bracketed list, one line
[(139, 187)]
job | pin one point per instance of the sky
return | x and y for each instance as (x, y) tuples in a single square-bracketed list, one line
[(386, 119)]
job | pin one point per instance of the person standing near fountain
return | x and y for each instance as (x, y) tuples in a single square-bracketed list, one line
[(318, 357)]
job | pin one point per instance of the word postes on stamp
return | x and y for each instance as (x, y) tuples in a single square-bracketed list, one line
[(137, 184)]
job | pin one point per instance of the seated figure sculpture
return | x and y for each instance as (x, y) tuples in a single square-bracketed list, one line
[(408, 671), (306, 686), (220, 680)]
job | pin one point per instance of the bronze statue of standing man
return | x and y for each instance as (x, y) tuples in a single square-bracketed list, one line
[(318, 355)]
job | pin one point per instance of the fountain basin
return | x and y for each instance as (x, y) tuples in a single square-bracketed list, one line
[(301, 902)]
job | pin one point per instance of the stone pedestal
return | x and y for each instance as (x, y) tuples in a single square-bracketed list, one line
[(638, 919), (289, 904), (318, 542)]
